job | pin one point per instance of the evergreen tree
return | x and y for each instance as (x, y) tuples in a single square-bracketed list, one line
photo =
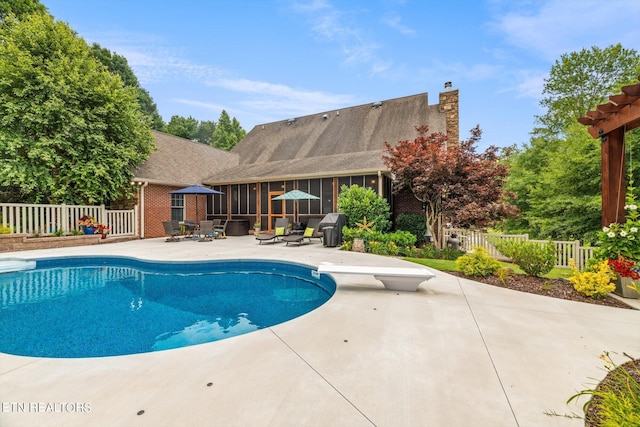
[(227, 133)]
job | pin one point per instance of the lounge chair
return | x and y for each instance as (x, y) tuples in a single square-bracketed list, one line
[(206, 231), (171, 230), (310, 232), (220, 231), (280, 231)]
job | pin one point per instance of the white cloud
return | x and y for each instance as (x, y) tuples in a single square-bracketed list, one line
[(330, 24), (394, 22), (560, 26)]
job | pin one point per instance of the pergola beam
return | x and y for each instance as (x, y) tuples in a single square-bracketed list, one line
[(610, 122)]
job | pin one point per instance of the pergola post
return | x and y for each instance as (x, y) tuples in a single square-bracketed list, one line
[(610, 121), (613, 179)]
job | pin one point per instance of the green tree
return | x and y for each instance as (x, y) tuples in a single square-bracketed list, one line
[(184, 127), (358, 203), (118, 64), (579, 81), (69, 131), (227, 133), (20, 8), (557, 176), (206, 128)]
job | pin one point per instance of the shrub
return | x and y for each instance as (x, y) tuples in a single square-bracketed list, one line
[(358, 203), (430, 251), (5, 230), (533, 258), (413, 252), (414, 224), (400, 242), (383, 248), (596, 283), (451, 253), (503, 273), (477, 263)]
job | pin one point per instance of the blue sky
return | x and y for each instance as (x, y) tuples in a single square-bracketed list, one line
[(270, 60)]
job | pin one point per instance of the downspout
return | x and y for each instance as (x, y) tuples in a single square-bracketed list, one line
[(380, 185), (141, 202)]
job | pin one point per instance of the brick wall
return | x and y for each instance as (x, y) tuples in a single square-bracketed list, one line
[(157, 208), (405, 202)]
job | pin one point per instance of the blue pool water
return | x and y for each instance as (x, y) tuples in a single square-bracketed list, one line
[(108, 306)]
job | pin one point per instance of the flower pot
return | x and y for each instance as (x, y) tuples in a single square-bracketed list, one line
[(88, 229), (104, 235), (622, 289)]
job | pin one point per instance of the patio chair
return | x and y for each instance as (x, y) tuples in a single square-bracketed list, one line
[(220, 231), (310, 232), (280, 231), (171, 230), (206, 231)]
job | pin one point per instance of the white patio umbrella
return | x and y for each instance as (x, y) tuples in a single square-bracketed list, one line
[(296, 195)]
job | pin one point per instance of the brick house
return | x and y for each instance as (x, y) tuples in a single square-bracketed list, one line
[(317, 153)]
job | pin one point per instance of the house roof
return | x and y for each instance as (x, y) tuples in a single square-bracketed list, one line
[(332, 143), (181, 162)]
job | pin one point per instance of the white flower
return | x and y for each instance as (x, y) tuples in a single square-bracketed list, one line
[(623, 233), (631, 207), (611, 234), (605, 229), (634, 229)]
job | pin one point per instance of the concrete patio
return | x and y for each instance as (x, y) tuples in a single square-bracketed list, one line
[(455, 353)]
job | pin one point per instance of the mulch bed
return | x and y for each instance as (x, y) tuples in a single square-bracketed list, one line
[(555, 288), (592, 415)]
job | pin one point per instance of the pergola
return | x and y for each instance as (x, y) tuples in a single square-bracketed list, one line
[(610, 122)]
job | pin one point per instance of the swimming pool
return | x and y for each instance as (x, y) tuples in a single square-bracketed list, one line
[(108, 306)]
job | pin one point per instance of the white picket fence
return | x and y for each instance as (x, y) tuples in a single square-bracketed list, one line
[(565, 250), (47, 220)]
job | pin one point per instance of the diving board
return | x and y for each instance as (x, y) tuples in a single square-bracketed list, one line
[(12, 264), (393, 278)]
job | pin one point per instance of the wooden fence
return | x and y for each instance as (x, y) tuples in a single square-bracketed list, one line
[(565, 250), (47, 220)]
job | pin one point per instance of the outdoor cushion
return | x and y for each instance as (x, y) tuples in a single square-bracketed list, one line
[(308, 232), (279, 231)]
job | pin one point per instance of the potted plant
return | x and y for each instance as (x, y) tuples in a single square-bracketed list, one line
[(102, 229), (88, 224), (619, 245)]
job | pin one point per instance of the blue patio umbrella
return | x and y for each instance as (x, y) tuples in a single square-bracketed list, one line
[(196, 190), (296, 195)]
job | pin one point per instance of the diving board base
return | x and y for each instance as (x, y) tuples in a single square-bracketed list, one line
[(393, 278)]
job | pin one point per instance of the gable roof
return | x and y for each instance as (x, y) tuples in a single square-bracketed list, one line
[(181, 162), (332, 143)]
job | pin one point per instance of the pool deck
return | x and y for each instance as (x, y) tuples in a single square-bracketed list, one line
[(455, 353)]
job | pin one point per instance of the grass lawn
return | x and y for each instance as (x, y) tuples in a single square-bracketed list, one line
[(447, 265)]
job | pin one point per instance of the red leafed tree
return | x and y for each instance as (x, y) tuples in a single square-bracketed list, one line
[(455, 183)]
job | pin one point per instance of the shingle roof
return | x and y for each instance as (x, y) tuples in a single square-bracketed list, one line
[(338, 142), (181, 162)]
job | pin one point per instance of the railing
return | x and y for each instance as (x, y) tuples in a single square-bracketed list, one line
[(565, 250), (48, 220)]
